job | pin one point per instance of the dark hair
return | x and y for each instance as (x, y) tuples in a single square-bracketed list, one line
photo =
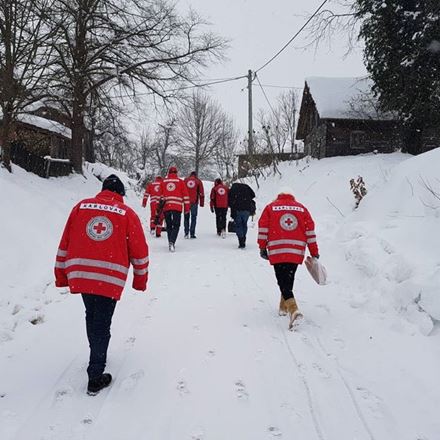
[(218, 181), (113, 183)]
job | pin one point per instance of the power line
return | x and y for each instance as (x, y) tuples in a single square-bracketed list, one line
[(178, 89), (290, 41), (264, 93)]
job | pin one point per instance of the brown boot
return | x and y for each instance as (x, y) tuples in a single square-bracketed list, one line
[(282, 310), (292, 310)]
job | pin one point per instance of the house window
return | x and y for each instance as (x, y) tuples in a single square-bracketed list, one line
[(358, 140)]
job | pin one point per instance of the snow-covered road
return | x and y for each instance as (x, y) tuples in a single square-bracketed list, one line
[(204, 355)]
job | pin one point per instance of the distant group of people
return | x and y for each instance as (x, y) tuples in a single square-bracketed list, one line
[(103, 236), (171, 195)]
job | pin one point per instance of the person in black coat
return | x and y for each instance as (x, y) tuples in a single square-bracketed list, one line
[(242, 204)]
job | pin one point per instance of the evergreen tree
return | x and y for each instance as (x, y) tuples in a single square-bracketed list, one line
[(402, 55)]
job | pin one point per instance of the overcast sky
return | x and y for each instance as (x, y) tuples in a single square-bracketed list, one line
[(257, 29)]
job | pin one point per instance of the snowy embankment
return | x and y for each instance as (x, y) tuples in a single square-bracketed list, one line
[(203, 355)]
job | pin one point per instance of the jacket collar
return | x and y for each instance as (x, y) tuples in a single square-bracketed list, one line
[(110, 195), (285, 197)]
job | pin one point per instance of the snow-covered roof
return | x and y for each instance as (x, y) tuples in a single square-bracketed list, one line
[(345, 98), (46, 124)]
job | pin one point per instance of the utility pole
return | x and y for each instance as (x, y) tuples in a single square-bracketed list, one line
[(250, 127)]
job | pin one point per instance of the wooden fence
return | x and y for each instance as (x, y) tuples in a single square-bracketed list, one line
[(42, 166), (249, 162)]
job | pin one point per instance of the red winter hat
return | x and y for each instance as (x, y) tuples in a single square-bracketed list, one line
[(172, 170)]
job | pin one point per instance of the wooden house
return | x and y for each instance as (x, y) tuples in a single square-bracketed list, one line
[(340, 116)]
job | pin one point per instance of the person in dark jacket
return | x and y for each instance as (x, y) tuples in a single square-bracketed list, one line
[(242, 204)]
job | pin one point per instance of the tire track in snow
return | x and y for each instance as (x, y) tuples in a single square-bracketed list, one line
[(310, 403), (337, 368)]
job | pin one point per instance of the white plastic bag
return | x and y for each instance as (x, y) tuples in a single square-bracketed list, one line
[(316, 270)]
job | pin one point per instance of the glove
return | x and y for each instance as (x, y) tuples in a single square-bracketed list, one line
[(316, 256), (263, 254), (212, 209), (139, 283)]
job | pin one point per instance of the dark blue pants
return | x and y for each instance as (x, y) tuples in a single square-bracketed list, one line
[(285, 273), (220, 218), (173, 219), (193, 214), (241, 219), (99, 313)]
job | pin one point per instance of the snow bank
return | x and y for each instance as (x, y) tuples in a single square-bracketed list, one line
[(388, 247)]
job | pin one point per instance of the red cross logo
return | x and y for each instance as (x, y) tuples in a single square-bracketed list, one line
[(99, 228), (288, 222)]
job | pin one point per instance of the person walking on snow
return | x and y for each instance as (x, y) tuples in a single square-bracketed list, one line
[(174, 197), (241, 201), (196, 196), (219, 204), (285, 229), (153, 191), (101, 238)]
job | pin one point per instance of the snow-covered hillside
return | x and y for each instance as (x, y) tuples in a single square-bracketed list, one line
[(203, 355)]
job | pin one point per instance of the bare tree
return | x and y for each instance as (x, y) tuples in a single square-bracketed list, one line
[(339, 18), (24, 57), (199, 129), (226, 148), (279, 126), (108, 43)]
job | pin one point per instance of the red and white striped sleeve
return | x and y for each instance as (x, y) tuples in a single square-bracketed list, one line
[(138, 252), (263, 228)]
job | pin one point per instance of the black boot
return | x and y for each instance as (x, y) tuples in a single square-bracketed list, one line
[(241, 243), (97, 384)]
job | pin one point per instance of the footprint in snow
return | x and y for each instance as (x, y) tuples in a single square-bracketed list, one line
[(372, 401), (323, 373), (211, 353), (87, 421), (198, 434), (131, 381), (274, 431), (129, 343), (62, 393), (182, 387), (38, 319), (240, 389)]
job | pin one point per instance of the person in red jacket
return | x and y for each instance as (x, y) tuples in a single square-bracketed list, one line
[(174, 197), (219, 205), (153, 192), (285, 229), (196, 196), (101, 238)]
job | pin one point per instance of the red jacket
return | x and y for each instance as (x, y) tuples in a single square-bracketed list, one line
[(101, 237), (152, 191), (285, 229), (195, 190), (175, 194), (219, 196)]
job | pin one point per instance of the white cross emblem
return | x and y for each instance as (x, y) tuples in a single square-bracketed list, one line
[(99, 228), (191, 184), (221, 191), (288, 222), (171, 186)]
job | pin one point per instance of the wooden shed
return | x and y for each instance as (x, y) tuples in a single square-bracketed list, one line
[(340, 116)]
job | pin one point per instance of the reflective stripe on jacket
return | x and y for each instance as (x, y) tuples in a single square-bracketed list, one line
[(101, 238), (175, 194), (285, 229)]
